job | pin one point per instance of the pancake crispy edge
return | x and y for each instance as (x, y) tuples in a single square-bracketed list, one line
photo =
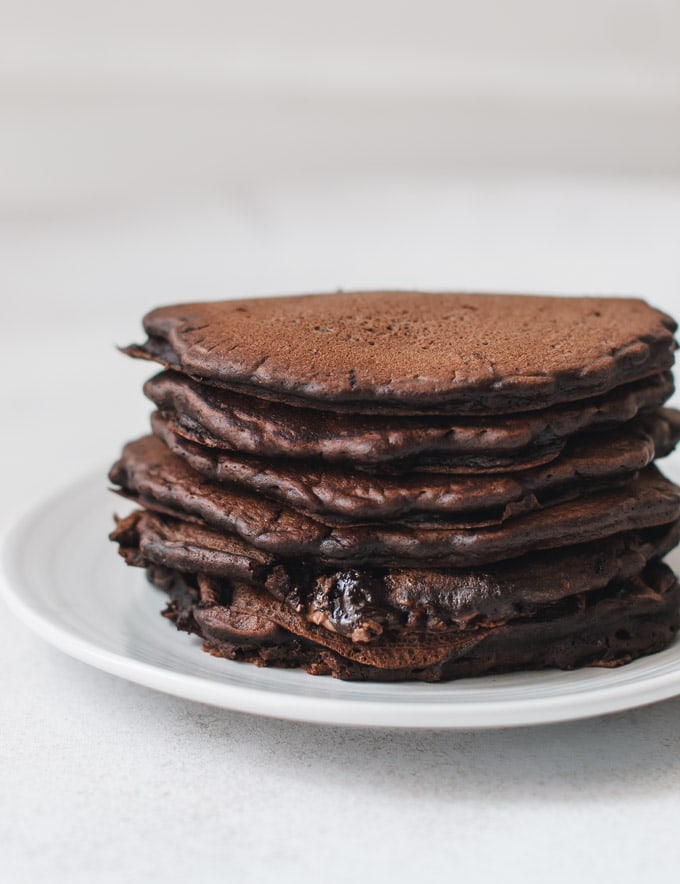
[(466, 353)]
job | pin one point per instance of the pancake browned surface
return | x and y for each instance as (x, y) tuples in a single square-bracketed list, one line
[(217, 419), (395, 485), (602, 628), (411, 350), (361, 602), (150, 474), (333, 491)]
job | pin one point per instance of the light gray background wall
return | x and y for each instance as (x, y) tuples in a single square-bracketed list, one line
[(149, 100)]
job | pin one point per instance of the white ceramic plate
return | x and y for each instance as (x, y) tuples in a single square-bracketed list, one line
[(65, 580)]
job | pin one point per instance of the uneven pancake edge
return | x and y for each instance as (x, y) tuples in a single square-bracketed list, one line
[(228, 420), (232, 343), (149, 474), (608, 628), (364, 603), (344, 494)]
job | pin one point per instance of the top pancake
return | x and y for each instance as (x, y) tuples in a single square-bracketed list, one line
[(414, 352)]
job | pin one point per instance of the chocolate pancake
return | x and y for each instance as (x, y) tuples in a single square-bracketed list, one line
[(147, 539), (362, 603), (606, 627), (341, 494), (414, 352), (396, 485), (216, 419), (151, 475)]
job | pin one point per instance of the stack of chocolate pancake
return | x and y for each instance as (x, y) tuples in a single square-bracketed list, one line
[(398, 485)]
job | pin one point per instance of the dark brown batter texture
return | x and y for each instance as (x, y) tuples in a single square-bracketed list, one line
[(217, 419), (412, 350), (362, 602), (337, 493), (151, 475), (399, 485), (607, 628)]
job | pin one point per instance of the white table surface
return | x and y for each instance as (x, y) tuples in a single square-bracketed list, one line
[(103, 780)]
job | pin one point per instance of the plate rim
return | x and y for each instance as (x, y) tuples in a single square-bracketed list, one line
[(334, 711)]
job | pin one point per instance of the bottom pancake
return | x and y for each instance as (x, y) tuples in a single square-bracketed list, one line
[(362, 603), (605, 627)]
